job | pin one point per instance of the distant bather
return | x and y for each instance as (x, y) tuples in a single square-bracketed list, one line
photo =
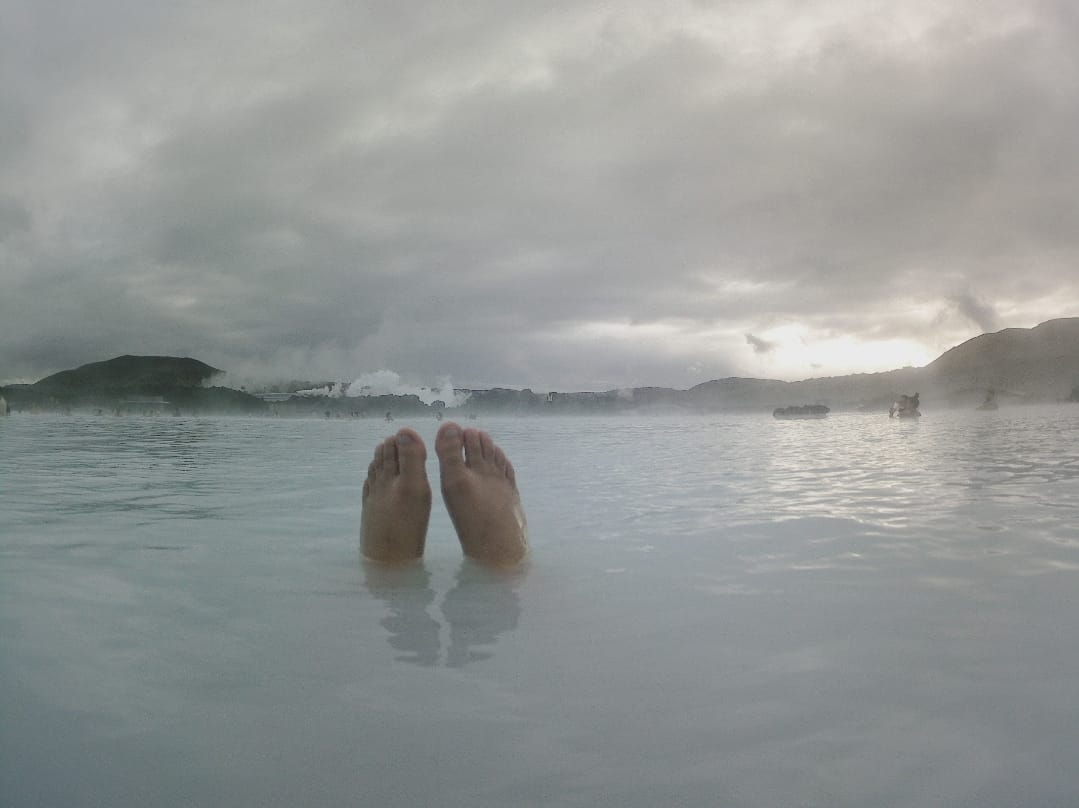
[(905, 407)]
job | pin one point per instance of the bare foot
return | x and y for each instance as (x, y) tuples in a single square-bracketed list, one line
[(396, 501), (480, 490)]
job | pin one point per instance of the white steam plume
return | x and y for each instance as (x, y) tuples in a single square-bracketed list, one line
[(335, 390), (388, 383)]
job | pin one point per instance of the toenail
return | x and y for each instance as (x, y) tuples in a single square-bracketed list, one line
[(404, 439), (451, 432)]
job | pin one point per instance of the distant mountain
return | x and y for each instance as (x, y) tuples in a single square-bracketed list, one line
[(130, 373), (1040, 363), (134, 383), (865, 391)]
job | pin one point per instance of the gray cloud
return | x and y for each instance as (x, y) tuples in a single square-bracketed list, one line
[(760, 346), (977, 311), (526, 195)]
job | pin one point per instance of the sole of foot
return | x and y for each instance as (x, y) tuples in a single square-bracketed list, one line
[(396, 501), (479, 487)]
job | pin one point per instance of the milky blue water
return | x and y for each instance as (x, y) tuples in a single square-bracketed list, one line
[(718, 611)]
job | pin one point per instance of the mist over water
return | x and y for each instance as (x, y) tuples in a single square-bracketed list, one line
[(718, 611)]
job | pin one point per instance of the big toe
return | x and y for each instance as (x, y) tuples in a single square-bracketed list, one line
[(449, 446)]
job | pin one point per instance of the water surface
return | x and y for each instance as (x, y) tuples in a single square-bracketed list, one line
[(718, 611)]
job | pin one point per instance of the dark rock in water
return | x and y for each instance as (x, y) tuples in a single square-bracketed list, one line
[(804, 411)]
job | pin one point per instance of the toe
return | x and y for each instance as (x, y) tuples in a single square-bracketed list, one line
[(503, 466), (487, 446), (411, 453), (389, 457), (449, 444), (473, 449)]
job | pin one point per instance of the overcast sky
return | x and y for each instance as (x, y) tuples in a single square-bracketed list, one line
[(558, 195)]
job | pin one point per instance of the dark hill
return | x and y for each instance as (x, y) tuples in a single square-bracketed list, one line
[(136, 383), (129, 373), (1039, 363)]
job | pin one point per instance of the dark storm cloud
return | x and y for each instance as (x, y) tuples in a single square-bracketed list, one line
[(530, 195)]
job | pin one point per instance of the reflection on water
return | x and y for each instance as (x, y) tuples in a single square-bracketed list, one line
[(482, 605), (407, 593)]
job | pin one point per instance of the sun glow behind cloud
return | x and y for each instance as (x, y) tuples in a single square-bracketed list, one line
[(790, 351), (797, 352)]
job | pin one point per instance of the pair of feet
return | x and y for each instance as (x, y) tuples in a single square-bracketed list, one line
[(478, 486)]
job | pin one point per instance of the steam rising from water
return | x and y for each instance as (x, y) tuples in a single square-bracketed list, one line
[(335, 390), (388, 383)]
